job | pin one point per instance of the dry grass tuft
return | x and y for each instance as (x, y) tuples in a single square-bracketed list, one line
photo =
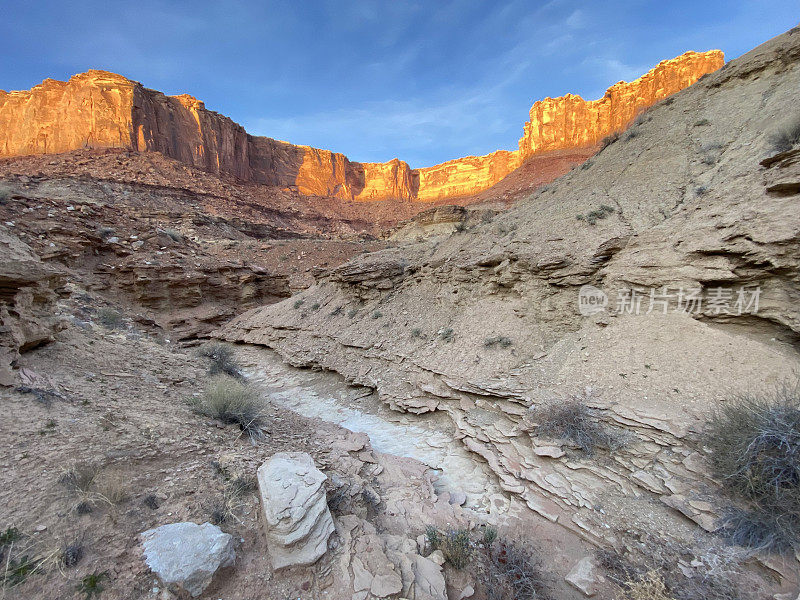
[(574, 422), (786, 137), (233, 403), (755, 445)]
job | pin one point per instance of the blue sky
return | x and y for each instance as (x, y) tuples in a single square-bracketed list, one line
[(425, 81)]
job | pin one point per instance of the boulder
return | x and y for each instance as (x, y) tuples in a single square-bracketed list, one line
[(187, 555), (583, 577), (296, 514)]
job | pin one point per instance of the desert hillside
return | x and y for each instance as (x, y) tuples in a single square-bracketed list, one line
[(237, 368)]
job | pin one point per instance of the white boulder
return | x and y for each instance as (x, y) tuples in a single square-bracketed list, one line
[(298, 521), (187, 555)]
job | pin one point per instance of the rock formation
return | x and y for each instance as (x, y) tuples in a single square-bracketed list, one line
[(28, 291), (185, 556), (297, 518), (98, 109)]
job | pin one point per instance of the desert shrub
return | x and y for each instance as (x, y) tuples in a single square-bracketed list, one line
[(315, 306), (432, 537), (105, 232), (151, 501), (454, 544), (701, 190), (717, 573), (92, 585), (233, 403), (446, 334), (489, 536), (71, 554), (574, 422), (512, 571), (111, 489), (632, 133), (500, 340), (416, 332), (79, 478), (669, 101), (352, 313), (298, 303), (461, 227), (221, 359), (173, 234), (377, 314), (755, 446), (702, 123), (608, 140), (110, 318), (337, 311), (786, 137), (649, 587), (597, 214)]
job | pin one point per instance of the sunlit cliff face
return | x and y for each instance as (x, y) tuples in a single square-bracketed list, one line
[(98, 109)]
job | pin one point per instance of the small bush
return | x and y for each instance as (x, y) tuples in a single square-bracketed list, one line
[(337, 311), (489, 536), (701, 190), (298, 303), (446, 334), (608, 140), (786, 137), (92, 585), (151, 501), (416, 332), (573, 421), (702, 123), (352, 313), (315, 306), (632, 133), (105, 232), (649, 587), (110, 318), (597, 214), (377, 314), (461, 227), (432, 537), (173, 234), (233, 403), (512, 571), (500, 340), (221, 359), (454, 544), (755, 445), (79, 478), (72, 554)]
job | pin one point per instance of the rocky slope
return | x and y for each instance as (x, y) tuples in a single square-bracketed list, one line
[(485, 325), (98, 109)]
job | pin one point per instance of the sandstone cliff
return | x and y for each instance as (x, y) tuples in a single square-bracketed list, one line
[(98, 109)]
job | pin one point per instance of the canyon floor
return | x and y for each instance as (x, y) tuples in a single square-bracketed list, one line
[(413, 351)]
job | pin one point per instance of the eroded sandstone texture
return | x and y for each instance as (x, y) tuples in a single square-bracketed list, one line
[(98, 109)]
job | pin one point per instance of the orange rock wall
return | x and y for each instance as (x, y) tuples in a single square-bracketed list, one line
[(98, 109), (571, 122)]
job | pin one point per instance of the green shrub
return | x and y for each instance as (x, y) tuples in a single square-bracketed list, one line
[(233, 403), (377, 314), (454, 544), (91, 585), (298, 303)]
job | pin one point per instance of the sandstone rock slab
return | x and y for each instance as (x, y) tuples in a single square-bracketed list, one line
[(187, 555), (298, 521)]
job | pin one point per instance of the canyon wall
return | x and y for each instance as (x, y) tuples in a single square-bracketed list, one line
[(98, 109)]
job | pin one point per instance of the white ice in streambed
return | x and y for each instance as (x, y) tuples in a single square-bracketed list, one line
[(427, 439)]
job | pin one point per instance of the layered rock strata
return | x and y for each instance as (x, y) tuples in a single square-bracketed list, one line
[(98, 109)]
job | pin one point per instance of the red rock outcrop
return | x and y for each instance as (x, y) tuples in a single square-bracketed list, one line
[(572, 122), (98, 109)]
